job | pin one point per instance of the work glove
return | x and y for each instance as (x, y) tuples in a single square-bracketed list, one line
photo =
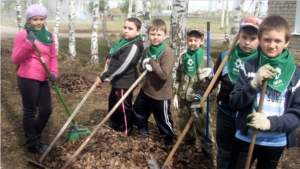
[(30, 37), (51, 77), (194, 114), (145, 61), (204, 72), (259, 121), (175, 101), (194, 106), (148, 67), (264, 72)]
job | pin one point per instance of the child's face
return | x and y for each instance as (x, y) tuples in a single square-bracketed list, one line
[(156, 37), (37, 22), (248, 42), (194, 42), (273, 42), (130, 30)]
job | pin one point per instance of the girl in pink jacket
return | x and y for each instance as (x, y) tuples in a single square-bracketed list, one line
[(32, 77)]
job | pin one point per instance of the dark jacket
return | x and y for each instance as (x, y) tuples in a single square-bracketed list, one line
[(122, 71), (243, 97)]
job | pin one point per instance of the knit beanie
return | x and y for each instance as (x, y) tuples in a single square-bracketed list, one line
[(36, 10)]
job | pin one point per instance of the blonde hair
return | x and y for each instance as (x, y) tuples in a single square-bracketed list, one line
[(157, 24)]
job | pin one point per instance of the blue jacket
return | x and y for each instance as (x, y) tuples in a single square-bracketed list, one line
[(243, 96)]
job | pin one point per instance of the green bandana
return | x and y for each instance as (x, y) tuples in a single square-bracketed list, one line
[(285, 67), (42, 35), (122, 42), (192, 61), (155, 51), (236, 60)]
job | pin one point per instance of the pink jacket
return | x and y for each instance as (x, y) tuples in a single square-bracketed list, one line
[(31, 67)]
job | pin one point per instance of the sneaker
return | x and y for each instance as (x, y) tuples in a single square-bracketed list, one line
[(38, 149), (44, 146), (142, 133)]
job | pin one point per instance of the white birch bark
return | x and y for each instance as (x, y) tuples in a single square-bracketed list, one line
[(178, 30), (226, 37), (104, 29), (27, 4), (57, 23), (129, 9), (94, 35), (147, 19), (222, 15), (19, 14), (40, 2), (236, 20), (258, 8), (72, 40), (139, 10)]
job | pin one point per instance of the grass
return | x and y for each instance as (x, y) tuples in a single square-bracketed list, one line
[(117, 25)]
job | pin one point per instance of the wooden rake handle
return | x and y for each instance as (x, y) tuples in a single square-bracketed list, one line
[(67, 123), (209, 88), (260, 106), (104, 120)]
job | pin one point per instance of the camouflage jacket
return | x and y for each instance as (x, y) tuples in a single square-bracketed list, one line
[(186, 86)]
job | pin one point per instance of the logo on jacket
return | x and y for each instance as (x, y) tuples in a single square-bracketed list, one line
[(190, 62), (238, 63)]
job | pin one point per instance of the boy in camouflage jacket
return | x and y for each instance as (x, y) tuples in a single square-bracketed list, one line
[(190, 74)]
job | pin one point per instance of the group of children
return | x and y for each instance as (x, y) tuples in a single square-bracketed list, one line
[(260, 55)]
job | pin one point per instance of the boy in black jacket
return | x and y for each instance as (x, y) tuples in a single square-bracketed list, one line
[(121, 72), (280, 115)]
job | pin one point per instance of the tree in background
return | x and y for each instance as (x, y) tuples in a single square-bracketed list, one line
[(101, 6), (258, 9), (19, 14), (236, 20), (124, 6), (94, 35), (104, 29), (57, 24), (129, 9), (147, 19), (178, 30), (72, 39)]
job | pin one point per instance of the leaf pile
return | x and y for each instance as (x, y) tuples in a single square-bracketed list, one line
[(73, 83)]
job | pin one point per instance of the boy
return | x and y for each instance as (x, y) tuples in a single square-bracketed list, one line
[(156, 92), (190, 73), (280, 114), (121, 72), (226, 115)]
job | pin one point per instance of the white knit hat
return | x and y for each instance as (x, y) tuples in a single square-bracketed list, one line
[(36, 10)]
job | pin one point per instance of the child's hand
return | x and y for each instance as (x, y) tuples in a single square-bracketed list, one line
[(259, 121), (145, 61), (30, 37), (98, 81), (149, 67), (175, 101), (264, 72), (51, 77)]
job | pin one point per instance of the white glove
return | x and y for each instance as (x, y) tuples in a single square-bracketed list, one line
[(264, 72), (145, 61), (175, 101), (148, 67), (194, 113), (204, 72), (259, 121)]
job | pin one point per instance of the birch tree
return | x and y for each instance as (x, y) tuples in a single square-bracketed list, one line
[(178, 30), (258, 8), (236, 20), (129, 9), (147, 19), (94, 35), (139, 10), (226, 38), (27, 4), (104, 29), (40, 2), (57, 23), (19, 14), (72, 39)]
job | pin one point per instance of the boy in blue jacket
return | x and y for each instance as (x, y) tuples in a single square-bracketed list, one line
[(280, 114)]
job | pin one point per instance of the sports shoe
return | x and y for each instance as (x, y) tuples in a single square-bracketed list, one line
[(44, 146), (142, 133), (38, 149)]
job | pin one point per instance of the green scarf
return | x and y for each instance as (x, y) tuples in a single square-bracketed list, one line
[(42, 35), (155, 51), (285, 67), (236, 60), (122, 42), (192, 61)]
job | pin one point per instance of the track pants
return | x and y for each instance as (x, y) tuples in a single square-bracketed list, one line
[(35, 94), (145, 105), (267, 157), (121, 119)]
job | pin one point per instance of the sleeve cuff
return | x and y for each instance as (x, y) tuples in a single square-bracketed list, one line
[(198, 96)]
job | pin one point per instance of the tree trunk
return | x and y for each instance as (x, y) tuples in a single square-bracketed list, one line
[(19, 14), (222, 15), (129, 9), (226, 23), (94, 35), (147, 19), (40, 2), (178, 30), (139, 10), (27, 4), (56, 24), (104, 29), (236, 20), (258, 7), (72, 39)]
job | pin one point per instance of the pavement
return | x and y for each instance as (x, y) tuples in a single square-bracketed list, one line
[(10, 32)]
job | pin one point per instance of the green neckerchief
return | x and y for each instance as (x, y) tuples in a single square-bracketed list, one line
[(122, 42), (284, 66), (42, 35), (192, 61), (155, 51), (236, 60)]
